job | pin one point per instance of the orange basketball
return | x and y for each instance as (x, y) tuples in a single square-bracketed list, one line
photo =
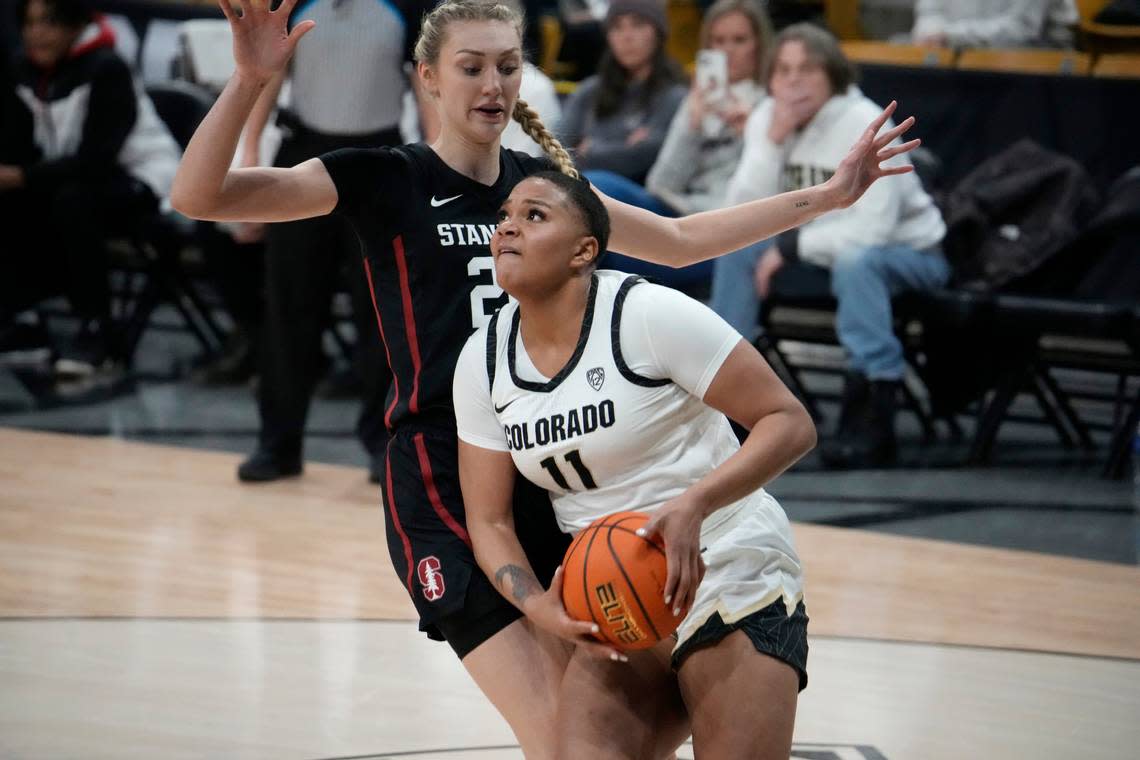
[(616, 579)]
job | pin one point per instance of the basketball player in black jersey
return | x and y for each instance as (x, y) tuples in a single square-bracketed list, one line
[(423, 215)]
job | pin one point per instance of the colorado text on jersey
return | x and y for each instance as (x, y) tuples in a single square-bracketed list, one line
[(560, 427)]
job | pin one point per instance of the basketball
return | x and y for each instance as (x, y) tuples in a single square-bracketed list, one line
[(616, 579)]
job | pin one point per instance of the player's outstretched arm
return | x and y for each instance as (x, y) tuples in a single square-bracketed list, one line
[(487, 478), (689, 239), (205, 187)]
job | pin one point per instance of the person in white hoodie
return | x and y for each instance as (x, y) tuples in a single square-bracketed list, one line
[(995, 23), (887, 243)]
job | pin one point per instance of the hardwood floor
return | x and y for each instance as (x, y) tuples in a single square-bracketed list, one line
[(150, 606)]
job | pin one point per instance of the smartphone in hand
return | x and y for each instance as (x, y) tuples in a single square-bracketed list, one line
[(712, 81)]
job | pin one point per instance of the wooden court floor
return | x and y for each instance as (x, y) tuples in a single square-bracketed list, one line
[(151, 607)]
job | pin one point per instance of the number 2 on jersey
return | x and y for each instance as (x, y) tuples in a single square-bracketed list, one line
[(575, 460), (485, 299)]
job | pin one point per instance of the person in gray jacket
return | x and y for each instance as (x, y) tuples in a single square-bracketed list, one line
[(616, 120)]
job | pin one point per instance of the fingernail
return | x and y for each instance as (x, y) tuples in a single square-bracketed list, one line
[(668, 598), (676, 612), (594, 628), (623, 658), (614, 656), (640, 531)]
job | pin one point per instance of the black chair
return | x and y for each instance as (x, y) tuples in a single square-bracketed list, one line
[(1127, 410), (998, 346), (1041, 319), (802, 309), (150, 259), (181, 106)]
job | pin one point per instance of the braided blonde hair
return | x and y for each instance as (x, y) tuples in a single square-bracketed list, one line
[(433, 31), (531, 123)]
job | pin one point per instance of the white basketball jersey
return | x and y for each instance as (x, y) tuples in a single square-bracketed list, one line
[(600, 436)]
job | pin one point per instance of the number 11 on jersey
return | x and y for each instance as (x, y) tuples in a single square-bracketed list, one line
[(574, 458)]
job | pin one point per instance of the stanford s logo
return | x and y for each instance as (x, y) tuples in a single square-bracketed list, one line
[(595, 377), (431, 578)]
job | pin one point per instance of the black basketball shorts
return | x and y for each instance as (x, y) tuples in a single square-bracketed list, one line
[(771, 630), (431, 551)]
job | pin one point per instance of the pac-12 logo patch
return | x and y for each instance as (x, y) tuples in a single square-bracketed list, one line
[(595, 377), (431, 578)]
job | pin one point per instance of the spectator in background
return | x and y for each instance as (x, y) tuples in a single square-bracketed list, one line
[(994, 23), (617, 120), (705, 140), (104, 162), (886, 243), (303, 259), (703, 145)]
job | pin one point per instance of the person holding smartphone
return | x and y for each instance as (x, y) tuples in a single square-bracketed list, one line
[(705, 139)]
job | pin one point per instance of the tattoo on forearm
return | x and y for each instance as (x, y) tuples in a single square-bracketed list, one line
[(523, 582), (801, 204)]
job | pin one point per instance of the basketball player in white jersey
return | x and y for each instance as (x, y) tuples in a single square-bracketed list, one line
[(612, 393)]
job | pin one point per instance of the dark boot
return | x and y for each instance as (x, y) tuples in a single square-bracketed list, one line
[(856, 399), (265, 465), (866, 434)]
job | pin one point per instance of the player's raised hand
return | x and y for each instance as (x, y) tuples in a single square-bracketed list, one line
[(678, 524), (549, 613), (263, 43), (863, 163)]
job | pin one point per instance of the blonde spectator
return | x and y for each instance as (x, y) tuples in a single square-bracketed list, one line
[(704, 142)]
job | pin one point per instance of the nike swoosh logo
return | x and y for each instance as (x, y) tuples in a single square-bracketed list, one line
[(436, 203), (501, 409)]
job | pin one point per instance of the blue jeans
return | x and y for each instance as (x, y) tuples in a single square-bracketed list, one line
[(734, 295), (627, 191), (863, 282)]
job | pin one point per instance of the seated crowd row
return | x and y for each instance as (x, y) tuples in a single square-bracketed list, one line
[(83, 155)]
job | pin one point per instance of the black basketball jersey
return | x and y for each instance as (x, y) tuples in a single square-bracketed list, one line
[(425, 231)]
